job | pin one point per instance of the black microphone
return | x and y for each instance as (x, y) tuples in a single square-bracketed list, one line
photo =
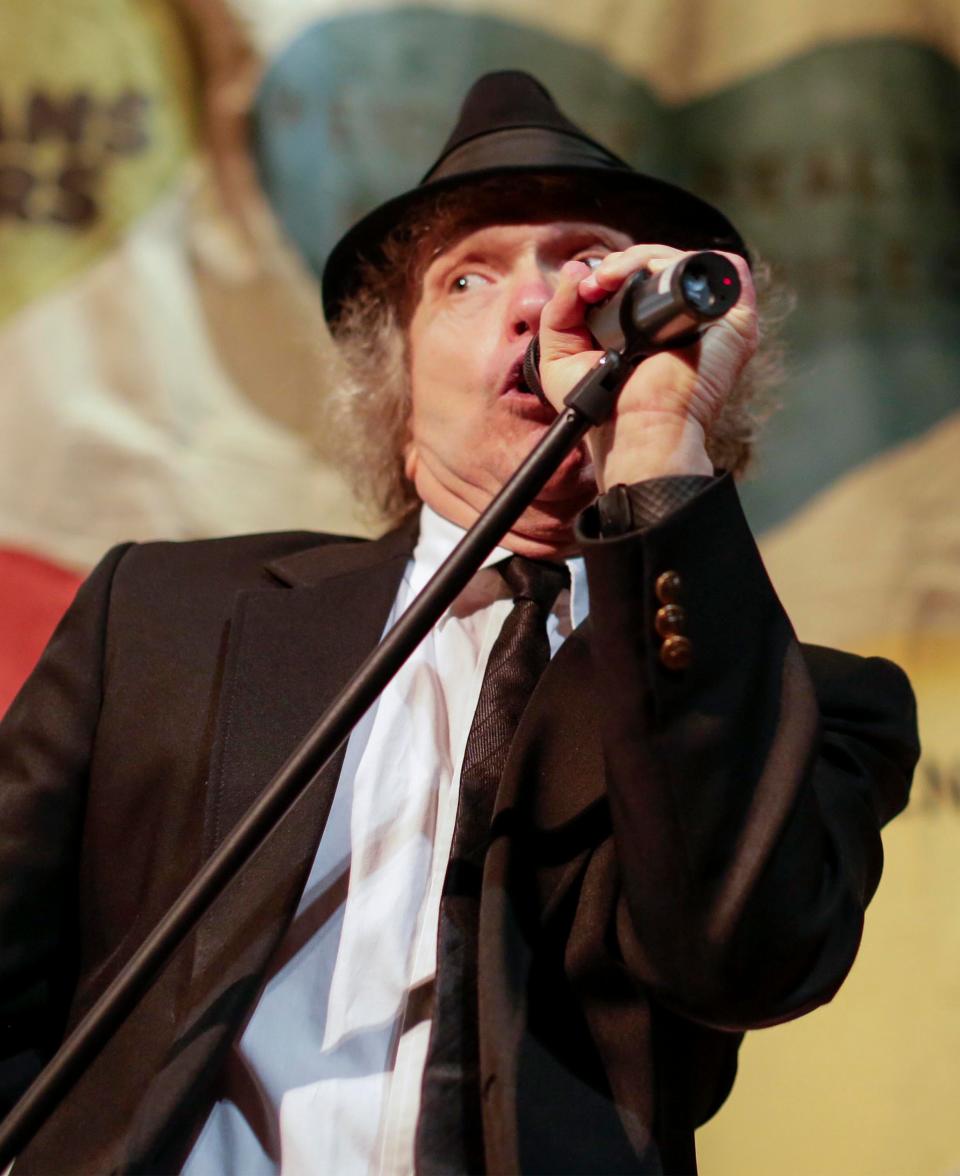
[(656, 312)]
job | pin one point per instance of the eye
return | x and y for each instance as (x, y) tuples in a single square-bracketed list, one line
[(467, 281), (591, 259)]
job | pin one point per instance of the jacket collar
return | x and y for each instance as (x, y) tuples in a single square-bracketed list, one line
[(344, 556)]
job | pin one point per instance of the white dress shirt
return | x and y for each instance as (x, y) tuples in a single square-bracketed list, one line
[(327, 1047)]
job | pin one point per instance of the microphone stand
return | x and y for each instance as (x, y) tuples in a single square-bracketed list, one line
[(589, 404)]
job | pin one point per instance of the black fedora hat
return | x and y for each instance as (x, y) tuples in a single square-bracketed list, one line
[(509, 125)]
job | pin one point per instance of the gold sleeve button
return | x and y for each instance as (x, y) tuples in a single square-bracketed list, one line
[(676, 653), (668, 587), (669, 620)]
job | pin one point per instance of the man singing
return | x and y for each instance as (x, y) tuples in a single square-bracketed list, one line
[(608, 816)]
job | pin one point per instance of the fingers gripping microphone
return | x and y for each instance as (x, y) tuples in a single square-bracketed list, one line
[(666, 310), (656, 312)]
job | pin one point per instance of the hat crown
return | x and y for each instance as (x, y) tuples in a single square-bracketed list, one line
[(509, 99), (509, 125)]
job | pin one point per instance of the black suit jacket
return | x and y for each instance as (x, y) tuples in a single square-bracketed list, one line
[(676, 855)]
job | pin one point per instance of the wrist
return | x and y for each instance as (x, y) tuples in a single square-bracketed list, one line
[(638, 448), (642, 462)]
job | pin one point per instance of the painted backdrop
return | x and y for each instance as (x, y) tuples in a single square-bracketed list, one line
[(172, 175)]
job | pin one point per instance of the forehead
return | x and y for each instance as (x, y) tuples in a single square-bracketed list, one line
[(545, 236)]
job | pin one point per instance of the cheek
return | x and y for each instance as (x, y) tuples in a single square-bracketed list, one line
[(450, 376), (438, 406), (433, 386)]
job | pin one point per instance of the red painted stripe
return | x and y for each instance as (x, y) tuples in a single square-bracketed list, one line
[(34, 594)]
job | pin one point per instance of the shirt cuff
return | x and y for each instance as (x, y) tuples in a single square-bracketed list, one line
[(641, 506)]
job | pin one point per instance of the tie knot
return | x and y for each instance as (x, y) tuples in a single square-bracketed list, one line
[(534, 579)]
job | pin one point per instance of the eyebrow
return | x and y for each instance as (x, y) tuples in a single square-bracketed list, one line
[(441, 265), (572, 238)]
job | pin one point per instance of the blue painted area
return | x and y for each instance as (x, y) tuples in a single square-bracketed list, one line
[(357, 108), (841, 167)]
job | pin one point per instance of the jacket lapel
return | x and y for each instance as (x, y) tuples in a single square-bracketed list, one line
[(290, 652), (292, 646)]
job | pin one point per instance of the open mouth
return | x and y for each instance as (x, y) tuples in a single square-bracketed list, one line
[(517, 388)]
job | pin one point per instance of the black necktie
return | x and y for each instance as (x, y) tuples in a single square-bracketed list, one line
[(450, 1130)]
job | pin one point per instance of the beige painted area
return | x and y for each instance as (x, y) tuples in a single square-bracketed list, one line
[(169, 407), (261, 309), (868, 1085), (899, 582), (688, 48), (683, 48)]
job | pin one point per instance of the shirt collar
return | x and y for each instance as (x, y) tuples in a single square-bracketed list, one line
[(438, 537)]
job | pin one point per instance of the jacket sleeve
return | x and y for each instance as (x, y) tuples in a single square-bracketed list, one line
[(46, 739), (747, 789)]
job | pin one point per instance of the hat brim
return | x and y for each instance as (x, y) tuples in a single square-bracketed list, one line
[(658, 212)]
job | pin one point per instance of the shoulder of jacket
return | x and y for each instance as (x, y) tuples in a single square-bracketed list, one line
[(262, 545), (236, 561)]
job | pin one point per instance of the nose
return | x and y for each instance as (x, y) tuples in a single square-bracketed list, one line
[(532, 291)]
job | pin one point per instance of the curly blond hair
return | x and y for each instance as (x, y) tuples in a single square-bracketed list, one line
[(370, 404)]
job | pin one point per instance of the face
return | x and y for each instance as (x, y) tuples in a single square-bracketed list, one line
[(473, 420)]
